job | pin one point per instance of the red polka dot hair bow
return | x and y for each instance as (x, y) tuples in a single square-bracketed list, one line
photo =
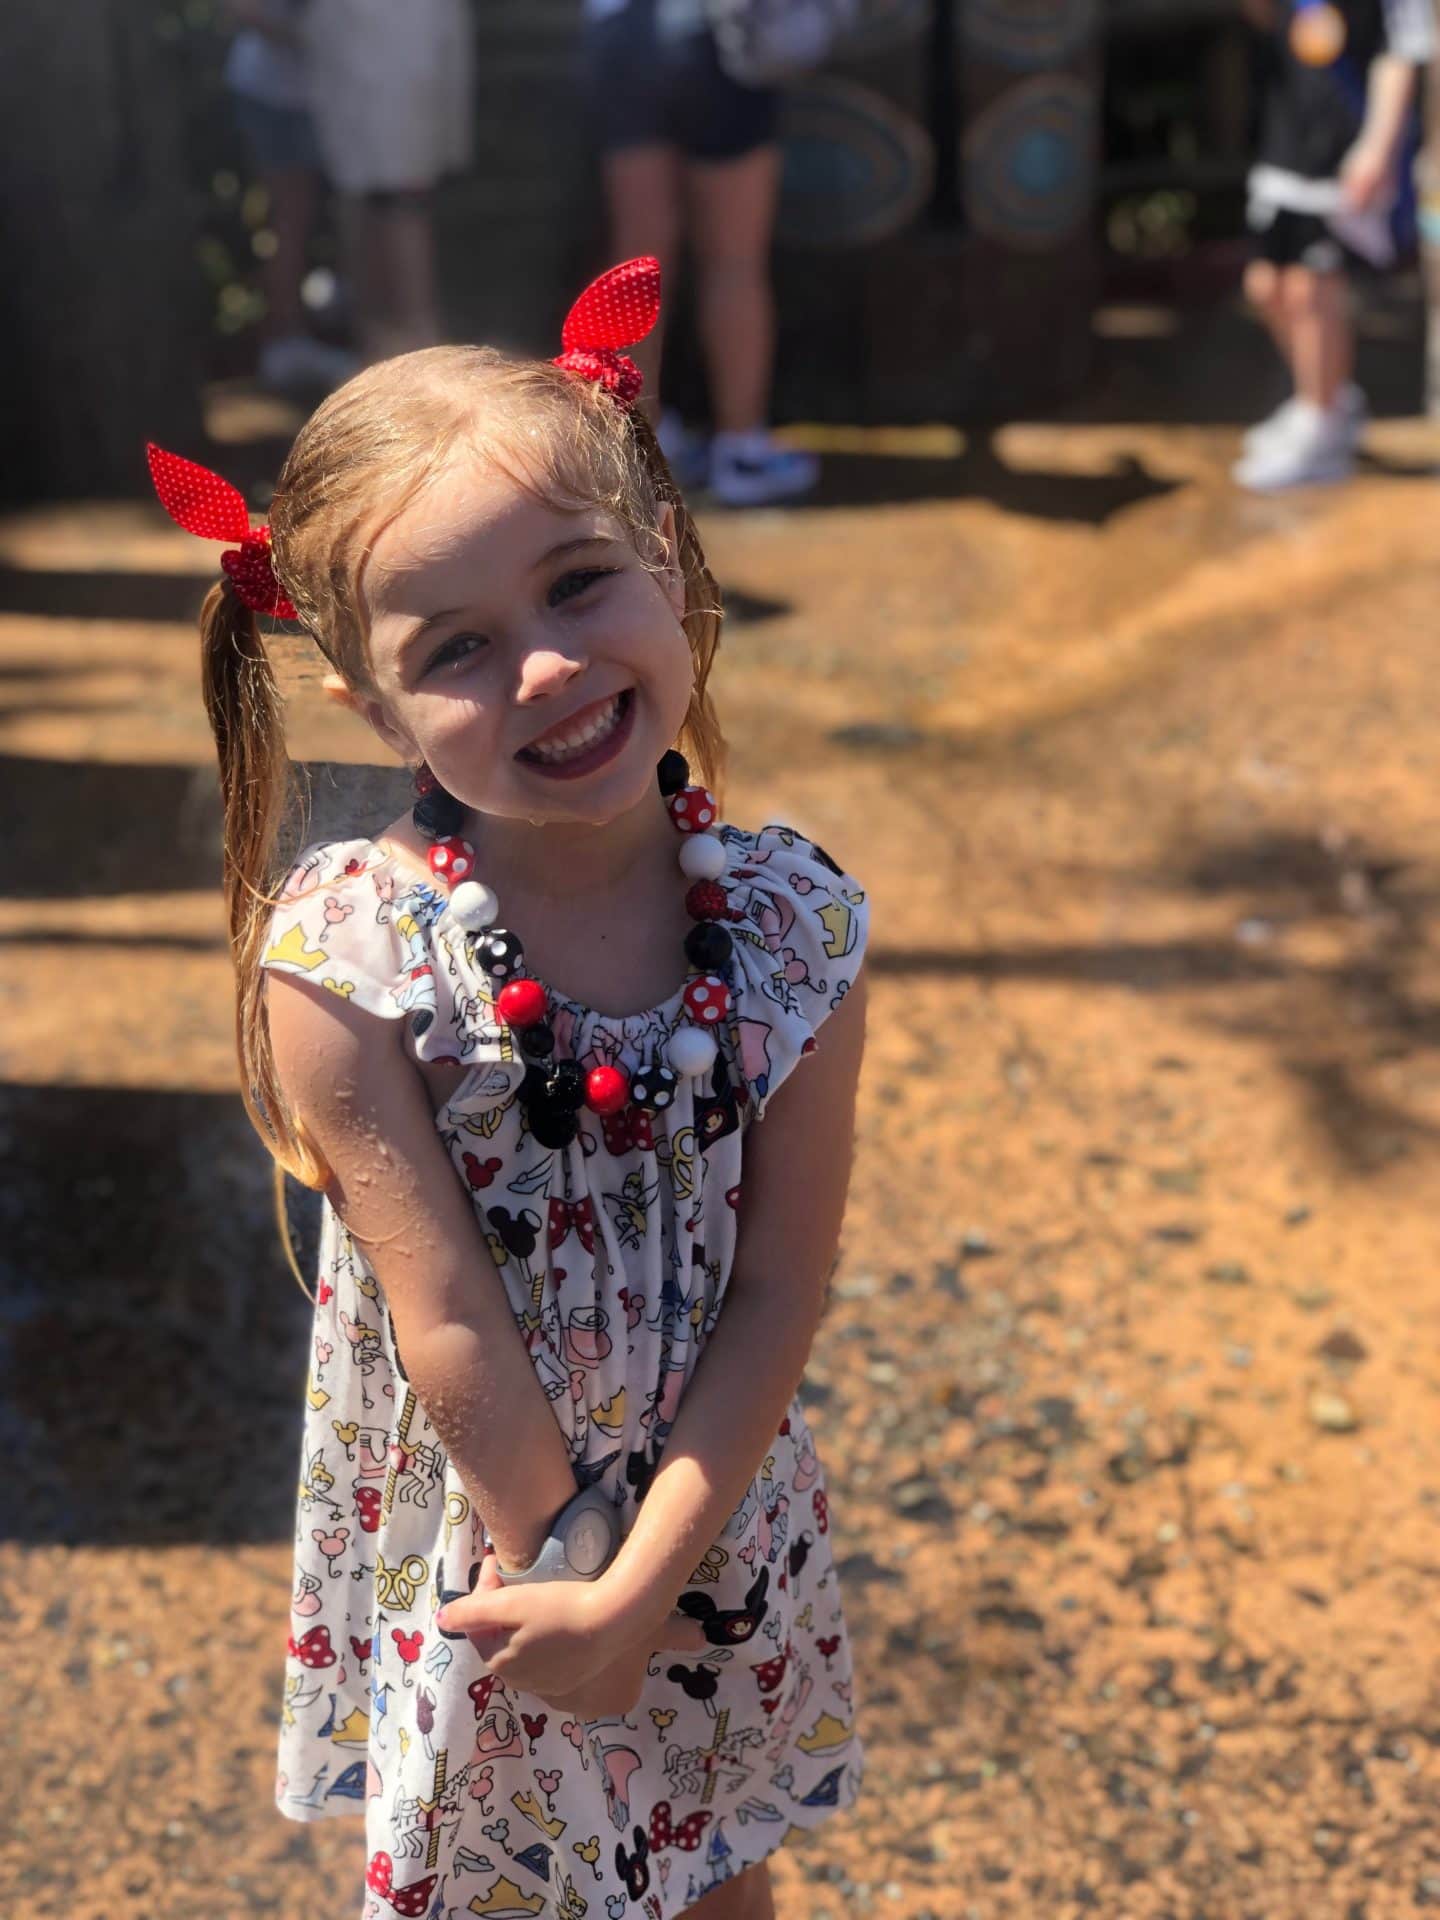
[(614, 311), (204, 504)]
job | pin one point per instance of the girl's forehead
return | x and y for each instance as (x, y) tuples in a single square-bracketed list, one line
[(470, 510)]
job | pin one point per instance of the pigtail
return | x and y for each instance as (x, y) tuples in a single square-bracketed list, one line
[(701, 740), (246, 716)]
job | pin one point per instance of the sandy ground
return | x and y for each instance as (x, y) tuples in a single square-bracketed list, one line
[(1129, 1388)]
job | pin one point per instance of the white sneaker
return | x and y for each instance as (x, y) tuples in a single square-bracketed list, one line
[(687, 453), (1350, 404), (302, 361), (1316, 448), (754, 470)]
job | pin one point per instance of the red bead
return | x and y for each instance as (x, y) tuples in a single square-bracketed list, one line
[(521, 1004), (707, 900), (607, 1090), (707, 1000), (452, 860), (693, 810)]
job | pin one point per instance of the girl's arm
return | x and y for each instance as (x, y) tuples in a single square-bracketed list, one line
[(1369, 166), (346, 1075), (796, 1173)]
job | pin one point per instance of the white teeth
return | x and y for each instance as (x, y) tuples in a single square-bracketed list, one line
[(567, 745)]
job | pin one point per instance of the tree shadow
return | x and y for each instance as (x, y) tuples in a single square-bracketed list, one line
[(102, 595), (161, 828)]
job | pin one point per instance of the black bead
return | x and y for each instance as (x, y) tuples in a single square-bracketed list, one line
[(565, 1085), (537, 1042), (708, 946), (553, 1126), (533, 1087), (673, 772), (653, 1087), (437, 814), (501, 954)]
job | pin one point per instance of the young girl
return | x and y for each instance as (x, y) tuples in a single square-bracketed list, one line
[(566, 1626)]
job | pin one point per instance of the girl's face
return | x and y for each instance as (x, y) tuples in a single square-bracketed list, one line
[(523, 651)]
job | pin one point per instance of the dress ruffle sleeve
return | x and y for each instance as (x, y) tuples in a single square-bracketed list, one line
[(350, 920), (799, 940)]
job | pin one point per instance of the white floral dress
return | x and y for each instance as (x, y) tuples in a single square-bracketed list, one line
[(615, 1253)]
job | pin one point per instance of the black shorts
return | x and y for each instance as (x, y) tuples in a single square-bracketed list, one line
[(1304, 240), (646, 90)]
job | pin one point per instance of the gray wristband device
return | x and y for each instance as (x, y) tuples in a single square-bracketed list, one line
[(584, 1538)]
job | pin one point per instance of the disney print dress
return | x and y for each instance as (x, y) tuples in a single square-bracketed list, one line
[(615, 1253)]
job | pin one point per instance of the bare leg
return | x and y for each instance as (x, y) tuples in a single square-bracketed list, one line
[(642, 190), (747, 1897), (1263, 291), (1317, 312), (391, 241), (732, 221), (293, 194)]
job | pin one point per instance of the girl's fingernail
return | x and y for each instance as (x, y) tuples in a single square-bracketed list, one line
[(442, 1620)]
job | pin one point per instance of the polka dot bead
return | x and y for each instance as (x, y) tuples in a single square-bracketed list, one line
[(691, 1053), (452, 859), (702, 856), (521, 1004), (707, 1000), (654, 1087), (501, 954), (693, 809), (473, 907), (606, 1090)]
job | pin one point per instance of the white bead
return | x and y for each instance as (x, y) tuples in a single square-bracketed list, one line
[(473, 907), (702, 856), (691, 1052)]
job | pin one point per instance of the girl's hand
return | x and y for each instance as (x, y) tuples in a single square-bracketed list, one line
[(561, 1639), (1365, 175)]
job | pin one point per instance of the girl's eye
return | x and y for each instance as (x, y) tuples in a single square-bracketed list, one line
[(571, 585), (455, 651)]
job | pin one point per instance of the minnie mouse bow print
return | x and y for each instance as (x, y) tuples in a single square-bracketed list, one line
[(204, 504), (615, 311)]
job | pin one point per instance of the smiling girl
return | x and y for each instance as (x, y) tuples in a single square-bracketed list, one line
[(563, 1575)]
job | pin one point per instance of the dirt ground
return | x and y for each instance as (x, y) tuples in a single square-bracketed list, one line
[(1129, 1389)]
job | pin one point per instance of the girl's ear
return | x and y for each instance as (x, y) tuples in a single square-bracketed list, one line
[(672, 579), (371, 711)]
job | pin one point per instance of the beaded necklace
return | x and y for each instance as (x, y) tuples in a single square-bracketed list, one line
[(554, 1091)]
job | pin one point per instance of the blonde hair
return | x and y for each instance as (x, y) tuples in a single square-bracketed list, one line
[(359, 460)]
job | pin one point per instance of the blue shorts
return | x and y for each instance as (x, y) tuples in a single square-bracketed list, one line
[(280, 139), (646, 90)]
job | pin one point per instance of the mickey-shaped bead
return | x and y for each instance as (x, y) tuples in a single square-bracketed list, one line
[(708, 946), (553, 1126), (691, 1053), (473, 907), (654, 1087), (702, 857), (452, 859), (606, 1090), (565, 1085), (707, 1000), (501, 953), (522, 1003), (693, 809)]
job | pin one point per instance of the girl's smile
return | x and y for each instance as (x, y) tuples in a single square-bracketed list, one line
[(590, 739)]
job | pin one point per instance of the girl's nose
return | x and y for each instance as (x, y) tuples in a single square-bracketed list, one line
[(545, 671)]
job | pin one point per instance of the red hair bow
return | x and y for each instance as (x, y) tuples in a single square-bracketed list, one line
[(614, 311), (204, 504)]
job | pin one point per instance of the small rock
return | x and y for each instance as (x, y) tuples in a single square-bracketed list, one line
[(947, 1279), (920, 1498), (882, 736), (1177, 1234), (1176, 1180), (1228, 1273), (884, 1373), (902, 1283), (1240, 1356), (977, 1245), (1297, 1216), (1312, 1299), (1332, 1412), (1342, 1348)]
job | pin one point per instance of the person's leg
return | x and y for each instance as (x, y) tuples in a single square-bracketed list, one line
[(1262, 290), (732, 221), (1318, 322), (293, 194), (642, 193), (747, 1897), (395, 288)]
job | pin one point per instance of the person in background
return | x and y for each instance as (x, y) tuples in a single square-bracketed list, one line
[(690, 154), (1336, 113), (265, 74), (392, 92)]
